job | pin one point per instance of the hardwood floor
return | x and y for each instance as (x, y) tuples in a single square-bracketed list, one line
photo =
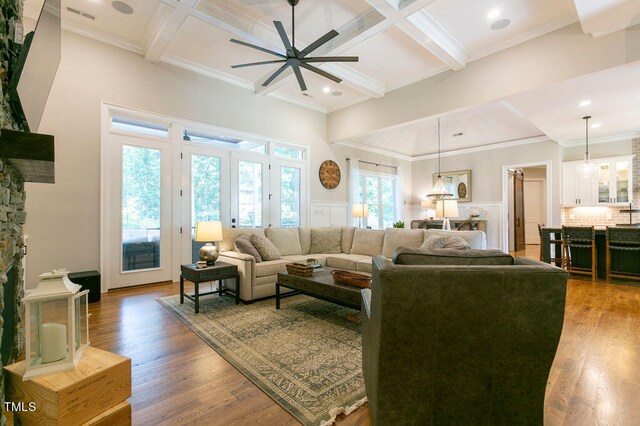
[(178, 379)]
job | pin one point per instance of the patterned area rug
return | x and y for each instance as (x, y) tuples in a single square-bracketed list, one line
[(306, 356)]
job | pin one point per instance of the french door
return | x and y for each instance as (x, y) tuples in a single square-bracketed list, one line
[(250, 189), (205, 193), (139, 219), (288, 194)]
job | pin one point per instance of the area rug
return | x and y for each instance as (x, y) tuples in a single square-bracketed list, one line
[(306, 356)]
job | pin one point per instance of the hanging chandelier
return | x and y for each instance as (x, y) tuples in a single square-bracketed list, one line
[(439, 191), (587, 169)]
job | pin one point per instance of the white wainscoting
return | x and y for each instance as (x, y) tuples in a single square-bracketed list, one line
[(491, 212), (327, 214)]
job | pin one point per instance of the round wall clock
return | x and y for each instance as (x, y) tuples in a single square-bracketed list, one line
[(329, 174)]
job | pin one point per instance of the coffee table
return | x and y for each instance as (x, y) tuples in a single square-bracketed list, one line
[(321, 286)]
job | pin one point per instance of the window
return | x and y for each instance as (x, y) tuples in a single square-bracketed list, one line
[(289, 197), (142, 127), (140, 208), (288, 152), (379, 193), (223, 141), (250, 194)]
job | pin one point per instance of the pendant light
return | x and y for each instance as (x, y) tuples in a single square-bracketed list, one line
[(439, 191), (587, 169)]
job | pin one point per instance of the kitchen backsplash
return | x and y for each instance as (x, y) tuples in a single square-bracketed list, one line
[(600, 216), (597, 216)]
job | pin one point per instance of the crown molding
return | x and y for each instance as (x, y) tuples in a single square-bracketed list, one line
[(486, 147), (374, 150), (603, 139)]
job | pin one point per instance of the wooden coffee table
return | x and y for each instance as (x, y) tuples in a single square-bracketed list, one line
[(321, 286)]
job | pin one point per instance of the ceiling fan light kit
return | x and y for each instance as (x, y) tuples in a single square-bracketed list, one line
[(295, 58)]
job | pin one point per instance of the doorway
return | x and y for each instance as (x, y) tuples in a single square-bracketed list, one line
[(525, 193)]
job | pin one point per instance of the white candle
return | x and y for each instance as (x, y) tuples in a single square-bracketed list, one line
[(54, 342)]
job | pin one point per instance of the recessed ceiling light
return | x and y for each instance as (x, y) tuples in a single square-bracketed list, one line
[(595, 125), (327, 89), (337, 93), (500, 24), (493, 14), (122, 7), (585, 103)]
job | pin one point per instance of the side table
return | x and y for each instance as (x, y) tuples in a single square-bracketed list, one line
[(218, 272)]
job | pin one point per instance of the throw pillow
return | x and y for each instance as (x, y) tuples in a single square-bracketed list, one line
[(434, 242), (368, 242), (326, 240), (243, 244), (265, 247), (287, 240), (456, 242)]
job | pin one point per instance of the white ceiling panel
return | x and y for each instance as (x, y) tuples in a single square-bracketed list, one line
[(313, 18), (404, 61), (482, 125), (316, 95), (604, 16), (614, 97), (468, 21), (200, 43), (129, 28)]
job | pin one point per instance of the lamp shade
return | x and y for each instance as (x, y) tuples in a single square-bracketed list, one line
[(360, 210), (208, 231), (426, 204), (447, 208), (439, 191)]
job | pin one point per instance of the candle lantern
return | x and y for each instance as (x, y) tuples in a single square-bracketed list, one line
[(56, 326)]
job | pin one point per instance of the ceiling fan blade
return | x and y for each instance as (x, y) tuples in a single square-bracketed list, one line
[(274, 75), (258, 63), (319, 42), (331, 59), (321, 72), (253, 46), (283, 36), (298, 73)]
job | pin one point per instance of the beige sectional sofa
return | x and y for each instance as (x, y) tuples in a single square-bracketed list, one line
[(358, 246)]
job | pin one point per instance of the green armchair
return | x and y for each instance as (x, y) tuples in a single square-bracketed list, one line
[(460, 343)]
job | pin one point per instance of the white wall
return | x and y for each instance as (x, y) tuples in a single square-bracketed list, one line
[(486, 179), (598, 150), (63, 220)]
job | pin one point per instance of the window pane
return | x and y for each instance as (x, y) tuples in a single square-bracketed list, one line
[(603, 183), (205, 195), (374, 217), (289, 152), (140, 208), (289, 197), (140, 126), (222, 141), (388, 217), (250, 197), (372, 189), (622, 182), (387, 191)]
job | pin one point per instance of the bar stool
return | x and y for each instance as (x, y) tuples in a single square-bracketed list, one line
[(575, 239), (622, 241), (552, 243)]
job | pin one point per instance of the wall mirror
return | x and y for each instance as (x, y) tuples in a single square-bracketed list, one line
[(457, 183)]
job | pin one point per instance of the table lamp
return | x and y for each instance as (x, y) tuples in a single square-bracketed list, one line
[(208, 232), (359, 211), (446, 209), (427, 205)]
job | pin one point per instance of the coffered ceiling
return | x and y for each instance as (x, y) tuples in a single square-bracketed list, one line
[(399, 42)]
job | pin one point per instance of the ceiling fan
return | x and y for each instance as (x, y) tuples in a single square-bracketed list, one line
[(295, 58)]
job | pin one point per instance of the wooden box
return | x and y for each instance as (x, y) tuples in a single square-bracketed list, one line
[(100, 382)]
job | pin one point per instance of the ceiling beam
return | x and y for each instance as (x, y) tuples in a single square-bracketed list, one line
[(167, 29), (418, 24)]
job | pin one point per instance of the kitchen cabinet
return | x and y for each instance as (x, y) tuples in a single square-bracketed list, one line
[(611, 185)]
